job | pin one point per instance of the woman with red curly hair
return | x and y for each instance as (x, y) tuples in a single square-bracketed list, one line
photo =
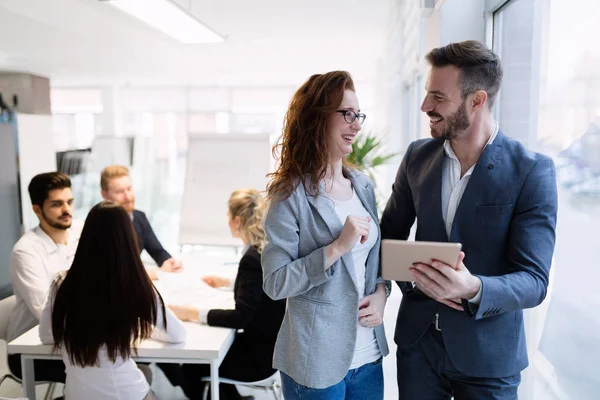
[(322, 251)]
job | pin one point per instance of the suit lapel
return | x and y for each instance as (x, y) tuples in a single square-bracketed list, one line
[(137, 227), (487, 166), (364, 196), (326, 210)]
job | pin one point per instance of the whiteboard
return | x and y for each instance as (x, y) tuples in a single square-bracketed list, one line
[(217, 165)]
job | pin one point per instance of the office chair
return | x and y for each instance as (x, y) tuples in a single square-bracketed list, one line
[(269, 384), (6, 307)]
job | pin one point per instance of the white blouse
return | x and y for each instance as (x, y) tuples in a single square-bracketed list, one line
[(366, 349), (119, 380)]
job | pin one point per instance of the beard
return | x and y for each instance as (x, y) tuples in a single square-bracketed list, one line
[(129, 207), (56, 223), (455, 123)]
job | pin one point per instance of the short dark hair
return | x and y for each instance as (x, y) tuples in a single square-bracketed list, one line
[(480, 67), (42, 184)]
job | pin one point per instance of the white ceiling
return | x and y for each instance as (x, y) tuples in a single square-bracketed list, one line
[(269, 42)]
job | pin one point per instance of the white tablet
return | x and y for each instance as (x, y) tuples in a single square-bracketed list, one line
[(397, 256)]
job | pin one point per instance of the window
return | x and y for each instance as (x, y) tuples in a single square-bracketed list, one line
[(74, 131), (514, 41), (550, 101), (253, 123)]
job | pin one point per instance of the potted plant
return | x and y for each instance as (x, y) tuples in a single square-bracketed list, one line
[(368, 154)]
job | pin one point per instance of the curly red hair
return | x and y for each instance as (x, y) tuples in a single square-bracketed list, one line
[(302, 147)]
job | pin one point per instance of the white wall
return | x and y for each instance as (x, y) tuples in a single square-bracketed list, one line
[(36, 155)]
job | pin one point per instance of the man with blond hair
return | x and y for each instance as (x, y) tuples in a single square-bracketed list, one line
[(116, 186)]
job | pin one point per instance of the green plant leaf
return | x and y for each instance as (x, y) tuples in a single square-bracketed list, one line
[(380, 160), (366, 153)]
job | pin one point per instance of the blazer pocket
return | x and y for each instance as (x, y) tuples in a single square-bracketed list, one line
[(495, 210), (313, 300)]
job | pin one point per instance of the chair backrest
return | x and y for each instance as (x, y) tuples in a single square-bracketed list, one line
[(6, 307)]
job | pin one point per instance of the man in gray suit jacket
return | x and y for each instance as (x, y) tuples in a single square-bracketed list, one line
[(460, 327)]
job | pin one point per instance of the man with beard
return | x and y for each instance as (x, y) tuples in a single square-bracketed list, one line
[(460, 327), (116, 186), (37, 257)]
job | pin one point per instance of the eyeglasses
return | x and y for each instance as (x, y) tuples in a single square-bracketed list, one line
[(350, 116)]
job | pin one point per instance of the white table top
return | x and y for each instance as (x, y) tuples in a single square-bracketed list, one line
[(203, 342)]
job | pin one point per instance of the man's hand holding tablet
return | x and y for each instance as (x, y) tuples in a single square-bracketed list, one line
[(436, 268)]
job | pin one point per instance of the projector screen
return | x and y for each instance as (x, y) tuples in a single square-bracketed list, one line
[(217, 165)]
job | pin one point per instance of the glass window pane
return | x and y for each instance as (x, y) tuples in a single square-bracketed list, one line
[(550, 102)]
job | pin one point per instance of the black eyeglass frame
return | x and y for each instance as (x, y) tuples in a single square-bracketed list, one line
[(350, 116)]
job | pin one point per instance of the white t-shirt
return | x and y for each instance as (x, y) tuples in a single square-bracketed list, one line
[(34, 262), (366, 349), (119, 380)]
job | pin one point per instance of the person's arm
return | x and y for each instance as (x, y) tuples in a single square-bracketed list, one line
[(151, 243), (174, 332), (27, 273), (285, 273), (216, 282), (399, 214), (45, 328), (530, 248), (248, 297), (152, 272)]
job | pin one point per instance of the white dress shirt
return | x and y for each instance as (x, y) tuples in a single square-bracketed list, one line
[(119, 380), (366, 349), (453, 188), (34, 262)]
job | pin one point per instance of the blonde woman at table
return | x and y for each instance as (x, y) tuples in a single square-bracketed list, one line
[(322, 251), (102, 307), (250, 357)]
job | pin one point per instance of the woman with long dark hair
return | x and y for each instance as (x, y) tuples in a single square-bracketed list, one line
[(100, 309), (322, 251)]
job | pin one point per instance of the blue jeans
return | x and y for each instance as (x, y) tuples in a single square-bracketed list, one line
[(362, 383)]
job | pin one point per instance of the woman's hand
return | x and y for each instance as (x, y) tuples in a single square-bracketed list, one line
[(216, 281), (370, 308), (171, 265), (185, 313), (355, 228)]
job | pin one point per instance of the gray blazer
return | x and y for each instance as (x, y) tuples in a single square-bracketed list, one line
[(316, 342)]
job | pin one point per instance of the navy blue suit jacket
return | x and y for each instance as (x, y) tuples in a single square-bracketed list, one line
[(147, 240), (506, 223)]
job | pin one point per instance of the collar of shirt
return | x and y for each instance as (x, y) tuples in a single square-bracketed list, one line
[(50, 245), (450, 153)]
